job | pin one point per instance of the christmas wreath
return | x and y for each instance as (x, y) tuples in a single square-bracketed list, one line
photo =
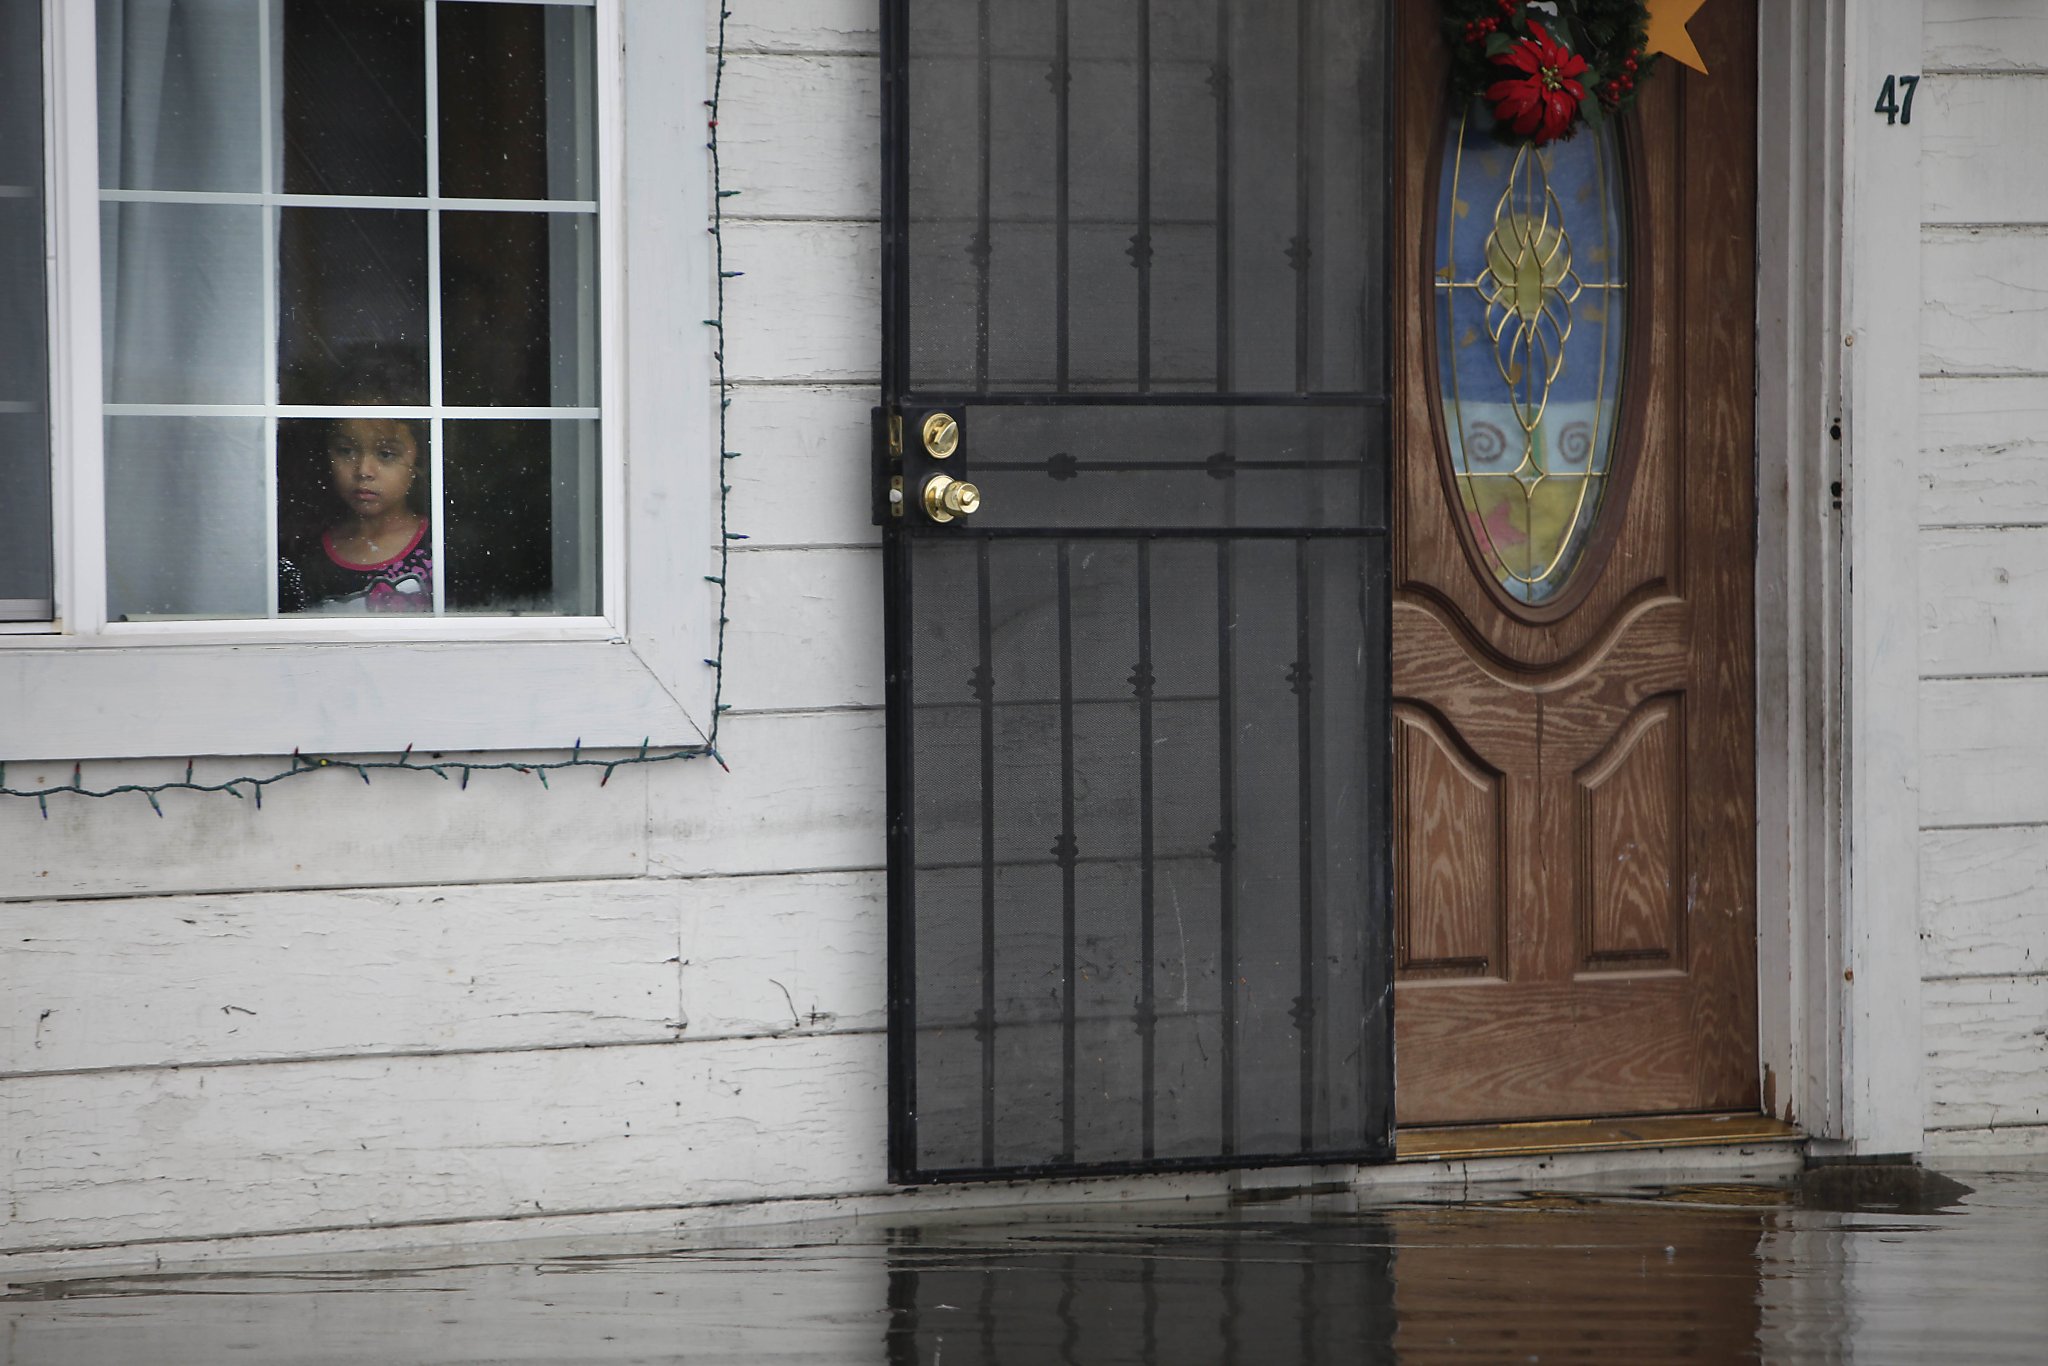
[(1544, 67)]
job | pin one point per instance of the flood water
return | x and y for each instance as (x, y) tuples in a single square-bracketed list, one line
[(1869, 1265)]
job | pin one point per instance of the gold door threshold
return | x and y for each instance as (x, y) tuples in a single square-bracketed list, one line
[(1452, 1142)]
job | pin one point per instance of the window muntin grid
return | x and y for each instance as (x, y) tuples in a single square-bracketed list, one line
[(267, 222)]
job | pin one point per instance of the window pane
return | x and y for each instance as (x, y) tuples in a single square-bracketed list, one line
[(518, 118), (181, 303), (186, 530), (522, 517), (355, 97), (352, 315), (354, 515), (518, 302), (1532, 293), (180, 102), (24, 322)]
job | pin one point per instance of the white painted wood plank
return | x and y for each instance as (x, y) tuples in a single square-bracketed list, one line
[(784, 954), (324, 830), (1986, 34), (1980, 160), (214, 1151), (1965, 1149), (1986, 894), (1987, 1053), (806, 629), (800, 136), (803, 26), (1985, 756), (1985, 293), (1984, 451), (805, 793), (808, 306), (1984, 600), (802, 476), (166, 980)]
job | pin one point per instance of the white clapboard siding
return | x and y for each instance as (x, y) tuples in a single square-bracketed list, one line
[(802, 476), (808, 306), (1984, 452), (801, 136), (321, 830), (1987, 902), (1986, 301), (803, 26), (1987, 1052), (168, 980), (1979, 161), (806, 629), (1984, 600), (780, 954), (219, 1151), (1963, 1150), (805, 793), (1983, 34), (1984, 751)]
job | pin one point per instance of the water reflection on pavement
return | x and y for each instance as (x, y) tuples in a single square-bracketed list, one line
[(1863, 1264)]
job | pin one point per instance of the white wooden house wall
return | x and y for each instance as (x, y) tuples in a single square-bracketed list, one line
[(1984, 573), (400, 1006)]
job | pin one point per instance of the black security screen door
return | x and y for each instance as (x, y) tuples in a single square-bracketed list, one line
[(1131, 463)]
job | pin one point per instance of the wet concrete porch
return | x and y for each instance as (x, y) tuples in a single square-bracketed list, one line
[(1836, 1264)]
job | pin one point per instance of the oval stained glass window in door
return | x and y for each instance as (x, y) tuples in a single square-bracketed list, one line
[(1531, 315)]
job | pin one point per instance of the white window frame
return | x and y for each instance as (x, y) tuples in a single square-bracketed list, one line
[(86, 688)]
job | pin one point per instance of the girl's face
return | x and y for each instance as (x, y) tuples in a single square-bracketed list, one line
[(374, 461)]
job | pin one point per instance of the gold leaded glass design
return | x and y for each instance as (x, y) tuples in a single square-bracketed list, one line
[(1531, 299)]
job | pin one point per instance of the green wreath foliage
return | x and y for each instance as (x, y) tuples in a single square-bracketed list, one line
[(1608, 34)]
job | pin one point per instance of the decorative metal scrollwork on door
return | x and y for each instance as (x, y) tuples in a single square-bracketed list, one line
[(1532, 322)]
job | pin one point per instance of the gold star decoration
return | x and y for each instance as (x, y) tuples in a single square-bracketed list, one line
[(1667, 31)]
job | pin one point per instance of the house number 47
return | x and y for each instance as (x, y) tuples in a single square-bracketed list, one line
[(1895, 98)]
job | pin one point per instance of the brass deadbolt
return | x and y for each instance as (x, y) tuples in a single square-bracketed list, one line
[(941, 435), (946, 498)]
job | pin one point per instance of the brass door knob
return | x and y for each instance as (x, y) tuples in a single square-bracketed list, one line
[(946, 498)]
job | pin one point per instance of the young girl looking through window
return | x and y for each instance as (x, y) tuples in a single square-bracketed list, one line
[(378, 555)]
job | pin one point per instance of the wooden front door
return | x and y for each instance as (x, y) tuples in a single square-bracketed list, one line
[(1572, 556)]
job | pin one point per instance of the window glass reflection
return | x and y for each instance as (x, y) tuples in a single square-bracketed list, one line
[(355, 97)]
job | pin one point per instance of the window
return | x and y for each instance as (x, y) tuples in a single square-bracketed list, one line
[(330, 351), (349, 300), (24, 330)]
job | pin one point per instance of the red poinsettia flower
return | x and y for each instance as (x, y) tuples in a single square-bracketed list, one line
[(1542, 101)]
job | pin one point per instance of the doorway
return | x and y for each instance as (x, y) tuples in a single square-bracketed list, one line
[(1573, 695)]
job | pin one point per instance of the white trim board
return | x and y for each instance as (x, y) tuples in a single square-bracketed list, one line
[(1838, 654)]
